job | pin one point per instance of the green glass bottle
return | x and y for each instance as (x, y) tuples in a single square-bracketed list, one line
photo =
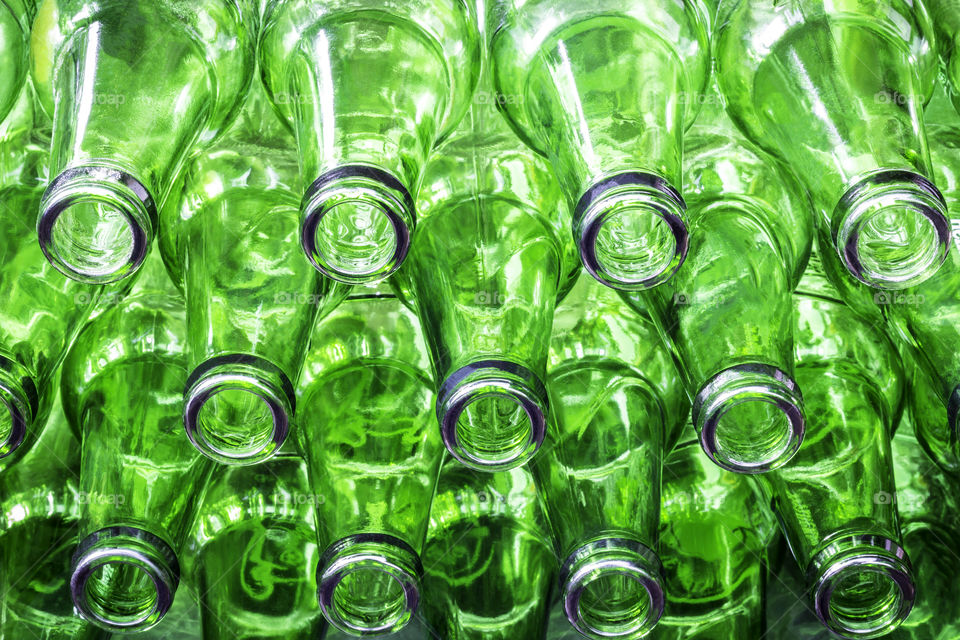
[(39, 508), (42, 310), (836, 499), (15, 19), (254, 552), (229, 236), (122, 387), (836, 90), (618, 403), (946, 18), (132, 87), (369, 89), (489, 263), (604, 90), (490, 567), (373, 450), (728, 313), (182, 622), (714, 539)]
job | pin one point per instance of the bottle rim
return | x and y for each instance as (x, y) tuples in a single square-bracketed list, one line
[(246, 374), (19, 399), (608, 557), (378, 192), (493, 380), (132, 548), (112, 191), (637, 196), (777, 441), (369, 554)]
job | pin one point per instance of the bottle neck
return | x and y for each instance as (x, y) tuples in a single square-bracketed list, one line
[(891, 229), (750, 418), (862, 586), (356, 222), (630, 230), (612, 588), (124, 578), (492, 414), (369, 584), (237, 408), (19, 403)]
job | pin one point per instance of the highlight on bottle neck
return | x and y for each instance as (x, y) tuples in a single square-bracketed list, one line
[(863, 586), (613, 588), (237, 408), (356, 222), (891, 229), (96, 223), (19, 402), (492, 414), (124, 578), (631, 231), (750, 418), (368, 584)]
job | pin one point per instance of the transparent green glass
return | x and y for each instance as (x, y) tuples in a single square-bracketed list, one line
[(491, 257), (836, 499), (132, 88), (945, 15), (123, 383), (604, 90), (836, 90), (373, 450), (229, 236), (42, 310), (254, 552), (617, 400), (727, 314), (39, 507), (490, 567), (715, 533), (15, 19), (369, 87)]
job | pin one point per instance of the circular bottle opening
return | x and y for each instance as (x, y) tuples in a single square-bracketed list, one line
[(121, 593), (368, 600), (354, 239), (615, 605), (236, 422), (494, 429), (864, 596), (93, 239)]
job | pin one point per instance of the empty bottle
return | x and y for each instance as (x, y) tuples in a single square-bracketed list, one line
[(489, 563), (714, 539), (369, 89), (40, 503), (489, 264), (42, 310), (605, 90), (132, 88), (619, 406), (122, 386), (15, 19), (369, 436), (727, 314), (836, 499), (229, 236), (836, 91), (254, 553)]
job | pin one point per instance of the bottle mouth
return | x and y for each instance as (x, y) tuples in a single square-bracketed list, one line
[(631, 232), (613, 588), (356, 222), (891, 229), (19, 401), (96, 223), (237, 408), (864, 587), (369, 584), (124, 578), (492, 414), (750, 418)]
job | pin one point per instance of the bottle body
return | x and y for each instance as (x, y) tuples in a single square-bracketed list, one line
[(143, 479), (373, 450), (945, 15), (728, 313), (604, 90), (361, 151), (230, 240), (837, 91), (124, 122), (15, 19)]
